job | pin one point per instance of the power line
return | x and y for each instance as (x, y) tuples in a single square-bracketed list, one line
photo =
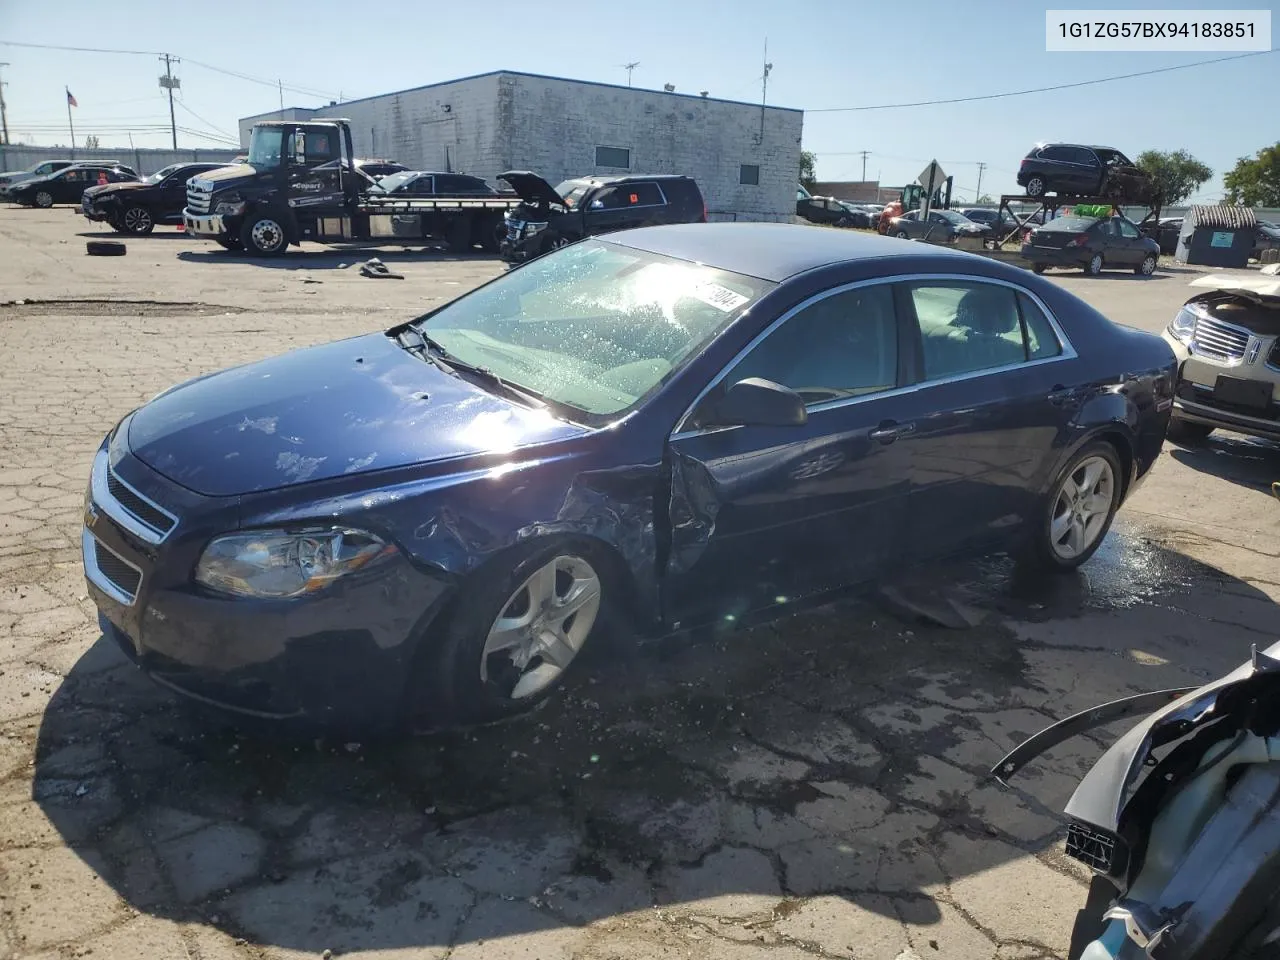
[(1058, 86), (207, 123)]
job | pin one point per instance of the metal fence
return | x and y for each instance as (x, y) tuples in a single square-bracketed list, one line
[(144, 160)]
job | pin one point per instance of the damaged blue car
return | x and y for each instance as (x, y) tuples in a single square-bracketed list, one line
[(654, 429)]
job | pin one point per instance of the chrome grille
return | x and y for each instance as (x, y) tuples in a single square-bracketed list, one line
[(1219, 341), (199, 195), (140, 508)]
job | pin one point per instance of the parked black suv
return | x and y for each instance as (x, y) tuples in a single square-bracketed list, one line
[(549, 218), (1070, 169), (137, 206)]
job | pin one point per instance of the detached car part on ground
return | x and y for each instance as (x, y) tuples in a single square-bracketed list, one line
[(1179, 821), (1227, 341), (549, 218), (671, 427)]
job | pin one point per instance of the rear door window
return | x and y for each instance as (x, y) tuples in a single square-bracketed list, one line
[(967, 327), (625, 195)]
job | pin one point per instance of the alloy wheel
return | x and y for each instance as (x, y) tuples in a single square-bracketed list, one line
[(1095, 264), (138, 220), (1082, 507), (1148, 266), (1035, 187), (542, 628), (44, 199)]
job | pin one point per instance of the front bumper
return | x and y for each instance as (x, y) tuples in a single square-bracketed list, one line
[(1194, 399), (339, 660), (210, 225), (91, 212)]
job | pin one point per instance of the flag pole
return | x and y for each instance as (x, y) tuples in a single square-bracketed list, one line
[(71, 124)]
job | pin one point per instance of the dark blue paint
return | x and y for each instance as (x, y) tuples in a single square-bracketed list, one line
[(703, 525)]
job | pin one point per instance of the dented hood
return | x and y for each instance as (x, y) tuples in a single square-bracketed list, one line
[(349, 407)]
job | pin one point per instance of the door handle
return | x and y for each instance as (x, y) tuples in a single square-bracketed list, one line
[(889, 431), (1060, 395)]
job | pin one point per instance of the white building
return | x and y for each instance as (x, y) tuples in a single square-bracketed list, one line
[(746, 158)]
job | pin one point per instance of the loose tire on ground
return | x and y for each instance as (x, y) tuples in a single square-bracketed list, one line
[(105, 248)]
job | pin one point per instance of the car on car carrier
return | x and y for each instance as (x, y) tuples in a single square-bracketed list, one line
[(300, 182)]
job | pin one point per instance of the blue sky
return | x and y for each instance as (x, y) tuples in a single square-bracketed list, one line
[(825, 54)]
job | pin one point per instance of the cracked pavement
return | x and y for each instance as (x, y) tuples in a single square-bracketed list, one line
[(812, 787)]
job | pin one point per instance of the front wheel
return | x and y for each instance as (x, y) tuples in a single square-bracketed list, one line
[(1074, 518), (44, 200), (138, 220), (264, 235), (1147, 267), (508, 642), (902, 235)]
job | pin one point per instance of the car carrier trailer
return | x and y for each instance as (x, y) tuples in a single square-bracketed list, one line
[(299, 182)]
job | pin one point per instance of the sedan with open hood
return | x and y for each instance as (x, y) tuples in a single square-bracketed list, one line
[(672, 426)]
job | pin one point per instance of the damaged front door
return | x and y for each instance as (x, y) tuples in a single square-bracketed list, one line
[(761, 514)]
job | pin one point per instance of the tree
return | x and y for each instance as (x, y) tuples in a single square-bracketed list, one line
[(1177, 172), (808, 169), (1255, 181), (984, 200), (91, 142)]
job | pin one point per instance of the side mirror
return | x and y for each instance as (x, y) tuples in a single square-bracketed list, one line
[(755, 402)]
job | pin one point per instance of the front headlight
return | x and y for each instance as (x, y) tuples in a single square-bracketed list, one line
[(1183, 326), (229, 208), (277, 564)]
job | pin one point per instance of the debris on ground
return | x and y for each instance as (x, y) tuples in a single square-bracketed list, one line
[(377, 270)]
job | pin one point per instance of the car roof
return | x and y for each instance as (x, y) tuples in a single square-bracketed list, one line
[(622, 178), (771, 251)]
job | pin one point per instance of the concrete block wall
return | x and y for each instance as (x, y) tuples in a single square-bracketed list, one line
[(505, 120)]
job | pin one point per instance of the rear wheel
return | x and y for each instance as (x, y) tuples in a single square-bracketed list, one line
[(1094, 266), (1036, 187), (1076, 515), (1037, 268), (1185, 431), (902, 235)]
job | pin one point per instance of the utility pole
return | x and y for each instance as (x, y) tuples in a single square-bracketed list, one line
[(4, 117), (764, 86), (629, 67), (978, 193), (280, 86), (865, 154), (170, 82)]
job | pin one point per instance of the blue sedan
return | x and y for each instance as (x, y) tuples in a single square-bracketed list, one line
[(663, 427)]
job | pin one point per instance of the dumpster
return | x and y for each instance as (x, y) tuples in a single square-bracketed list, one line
[(1217, 236)]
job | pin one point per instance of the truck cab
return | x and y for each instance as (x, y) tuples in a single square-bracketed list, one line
[(290, 169)]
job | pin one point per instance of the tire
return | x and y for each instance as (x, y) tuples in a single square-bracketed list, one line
[(105, 248), (902, 235), (1055, 545), (264, 235), (1094, 266), (1186, 432), (455, 682), (1147, 267), (43, 200), (1037, 268), (459, 236), (229, 243), (137, 220), (1036, 187)]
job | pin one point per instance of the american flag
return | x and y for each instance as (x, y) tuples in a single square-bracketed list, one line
[(71, 101)]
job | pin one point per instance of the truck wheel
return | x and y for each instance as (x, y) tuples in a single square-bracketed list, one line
[(459, 236), (264, 235)]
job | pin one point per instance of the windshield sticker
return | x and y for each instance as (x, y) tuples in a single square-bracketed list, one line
[(715, 295)]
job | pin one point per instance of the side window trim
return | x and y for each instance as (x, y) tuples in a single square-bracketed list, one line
[(1067, 351)]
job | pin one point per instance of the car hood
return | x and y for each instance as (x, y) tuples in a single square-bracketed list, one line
[(348, 407), (531, 187), (99, 189), (234, 172)]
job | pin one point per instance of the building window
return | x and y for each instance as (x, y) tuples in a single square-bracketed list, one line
[(613, 157), (749, 173)]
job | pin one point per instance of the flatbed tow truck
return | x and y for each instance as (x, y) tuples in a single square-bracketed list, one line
[(299, 182)]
